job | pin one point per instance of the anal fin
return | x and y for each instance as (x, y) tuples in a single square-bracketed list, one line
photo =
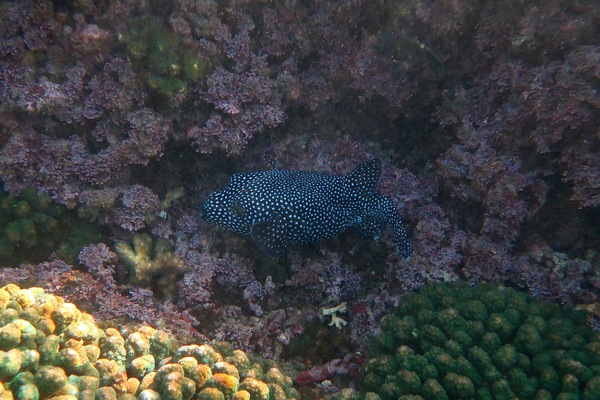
[(370, 227)]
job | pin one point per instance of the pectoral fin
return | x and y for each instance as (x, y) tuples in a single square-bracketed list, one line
[(270, 235)]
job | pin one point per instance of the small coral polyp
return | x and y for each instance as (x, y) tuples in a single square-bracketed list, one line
[(49, 349)]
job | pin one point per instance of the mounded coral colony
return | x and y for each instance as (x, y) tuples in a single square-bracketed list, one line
[(32, 226), (49, 349), (451, 341)]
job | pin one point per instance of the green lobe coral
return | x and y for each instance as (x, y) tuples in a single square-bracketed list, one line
[(53, 350), (451, 341), (32, 226)]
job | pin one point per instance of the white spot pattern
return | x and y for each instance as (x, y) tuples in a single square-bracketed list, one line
[(277, 208)]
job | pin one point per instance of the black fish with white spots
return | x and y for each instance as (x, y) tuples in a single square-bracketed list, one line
[(277, 208)]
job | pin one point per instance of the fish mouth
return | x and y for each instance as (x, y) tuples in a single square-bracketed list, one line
[(203, 213)]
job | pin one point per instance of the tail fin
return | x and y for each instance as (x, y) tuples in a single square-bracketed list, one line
[(400, 236), (393, 220)]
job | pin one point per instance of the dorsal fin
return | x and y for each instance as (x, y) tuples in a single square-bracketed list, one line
[(364, 178), (238, 181), (268, 157)]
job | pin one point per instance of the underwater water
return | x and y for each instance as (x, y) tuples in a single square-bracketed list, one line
[(352, 153)]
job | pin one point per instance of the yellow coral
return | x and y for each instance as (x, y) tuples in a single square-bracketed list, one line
[(10, 336), (148, 260), (258, 390), (25, 298), (140, 366), (64, 355), (138, 256), (227, 384), (200, 374), (242, 395), (226, 368), (4, 298), (240, 360), (211, 394), (275, 376), (64, 315)]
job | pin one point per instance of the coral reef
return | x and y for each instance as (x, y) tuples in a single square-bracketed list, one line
[(451, 341), (49, 348), (484, 115)]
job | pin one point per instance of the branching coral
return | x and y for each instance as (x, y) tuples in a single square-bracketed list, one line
[(149, 260)]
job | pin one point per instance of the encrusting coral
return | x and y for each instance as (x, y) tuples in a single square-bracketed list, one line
[(51, 349), (451, 341)]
